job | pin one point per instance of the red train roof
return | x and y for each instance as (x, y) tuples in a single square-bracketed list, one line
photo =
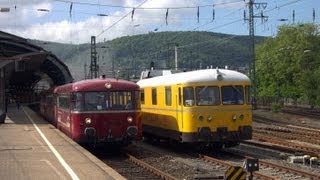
[(100, 84)]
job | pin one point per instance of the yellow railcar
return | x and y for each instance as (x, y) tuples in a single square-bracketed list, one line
[(210, 107)]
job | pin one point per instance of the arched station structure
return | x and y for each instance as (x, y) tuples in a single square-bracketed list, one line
[(25, 69)]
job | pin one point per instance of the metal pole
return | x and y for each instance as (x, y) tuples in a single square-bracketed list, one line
[(85, 70), (252, 48), (93, 65), (176, 57), (112, 61)]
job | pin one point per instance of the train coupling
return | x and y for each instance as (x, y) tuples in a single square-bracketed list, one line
[(90, 132)]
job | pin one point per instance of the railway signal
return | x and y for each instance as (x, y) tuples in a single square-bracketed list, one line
[(251, 165)]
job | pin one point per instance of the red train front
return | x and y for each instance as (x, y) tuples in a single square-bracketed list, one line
[(99, 111)]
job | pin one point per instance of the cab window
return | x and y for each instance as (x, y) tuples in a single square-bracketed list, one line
[(188, 96), (232, 95), (63, 101), (77, 104)]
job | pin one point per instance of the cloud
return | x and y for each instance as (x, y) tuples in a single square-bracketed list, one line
[(57, 26)]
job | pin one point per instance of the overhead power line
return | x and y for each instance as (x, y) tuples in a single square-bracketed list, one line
[(121, 18), (130, 7)]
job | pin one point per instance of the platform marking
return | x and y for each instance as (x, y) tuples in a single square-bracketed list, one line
[(54, 168), (55, 152)]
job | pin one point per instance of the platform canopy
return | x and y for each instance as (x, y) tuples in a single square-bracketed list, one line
[(23, 65), (27, 63)]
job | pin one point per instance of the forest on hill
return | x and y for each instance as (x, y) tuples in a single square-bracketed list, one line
[(127, 56), (287, 65)]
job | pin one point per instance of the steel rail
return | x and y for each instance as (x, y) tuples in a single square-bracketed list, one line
[(150, 168)]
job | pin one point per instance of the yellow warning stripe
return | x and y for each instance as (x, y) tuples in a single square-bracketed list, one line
[(235, 173)]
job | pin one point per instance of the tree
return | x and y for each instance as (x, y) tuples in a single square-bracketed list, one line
[(288, 64)]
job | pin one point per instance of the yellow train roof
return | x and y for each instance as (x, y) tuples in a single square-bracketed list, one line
[(198, 76)]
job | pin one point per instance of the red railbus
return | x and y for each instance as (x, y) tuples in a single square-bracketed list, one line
[(99, 111)]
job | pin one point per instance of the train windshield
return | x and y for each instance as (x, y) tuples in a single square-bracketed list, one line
[(232, 95), (207, 95), (101, 101)]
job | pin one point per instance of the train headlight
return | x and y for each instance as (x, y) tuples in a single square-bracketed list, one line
[(210, 118), (88, 120), (200, 117), (129, 119), (241, 116), (234, 117)]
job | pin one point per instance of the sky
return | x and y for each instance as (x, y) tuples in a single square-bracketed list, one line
[(75, 21)]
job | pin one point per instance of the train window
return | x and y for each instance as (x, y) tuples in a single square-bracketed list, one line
[(142, 96), (188, 96), (232, 95), (77, 102), (179, 95), (168, 96), (248, 95), (207, 95), (63, 102), (154, 96)]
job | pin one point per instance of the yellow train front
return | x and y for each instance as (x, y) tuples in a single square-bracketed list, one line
[(208, 107)]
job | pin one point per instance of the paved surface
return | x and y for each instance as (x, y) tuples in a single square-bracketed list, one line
[(30, 148)]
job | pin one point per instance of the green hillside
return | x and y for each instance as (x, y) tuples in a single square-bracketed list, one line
[(127, 56)]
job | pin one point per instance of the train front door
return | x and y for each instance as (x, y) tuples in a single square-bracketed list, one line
[(179, 108), (64, 114)]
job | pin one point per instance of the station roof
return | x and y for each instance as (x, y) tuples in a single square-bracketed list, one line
[(30, 62)]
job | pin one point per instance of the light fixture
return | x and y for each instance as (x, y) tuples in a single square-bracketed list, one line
[(88, 120), (129, 119)]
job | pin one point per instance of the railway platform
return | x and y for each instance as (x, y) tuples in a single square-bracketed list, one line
[(31, 148)]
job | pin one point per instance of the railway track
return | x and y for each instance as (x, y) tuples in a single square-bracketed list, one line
[(128, 169), (267, 170), (290, 135), (146, 164), (174, 163), (307, 112), (129, 166), (133, 168), (220, 161), (300, 139), (302, 112)]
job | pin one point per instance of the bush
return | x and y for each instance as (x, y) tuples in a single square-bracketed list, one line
[(276, 107)]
